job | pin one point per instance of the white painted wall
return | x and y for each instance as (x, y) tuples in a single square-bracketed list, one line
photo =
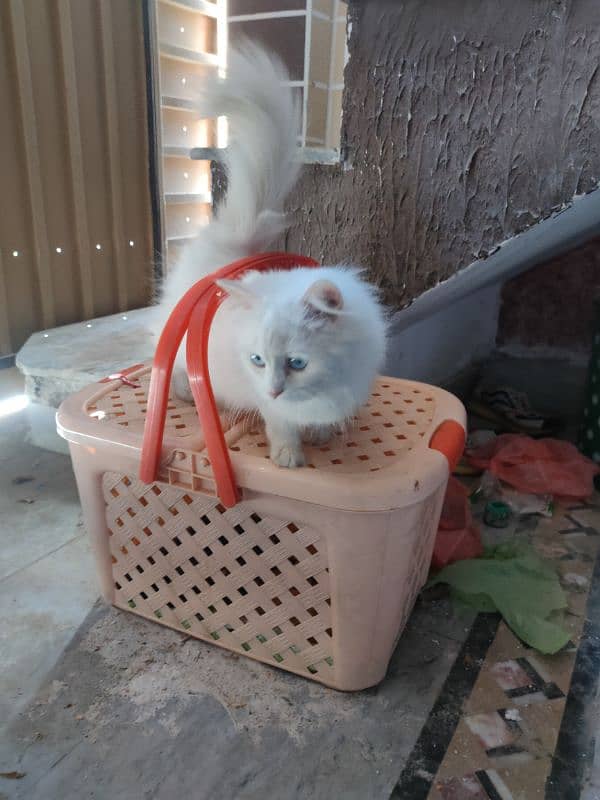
[(438, 347)]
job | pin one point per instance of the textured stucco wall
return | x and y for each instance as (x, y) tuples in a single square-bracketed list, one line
[(551, 305), (465, 122)]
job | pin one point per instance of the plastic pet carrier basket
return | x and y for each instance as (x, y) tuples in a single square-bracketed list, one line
[(313, 570)]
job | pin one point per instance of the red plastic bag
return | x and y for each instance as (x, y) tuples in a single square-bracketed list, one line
[(458, 537), (542, 466)]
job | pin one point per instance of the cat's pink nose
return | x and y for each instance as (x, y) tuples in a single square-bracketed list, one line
[(275, 393)]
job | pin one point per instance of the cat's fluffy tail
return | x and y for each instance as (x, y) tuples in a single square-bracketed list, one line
[(262, 155)]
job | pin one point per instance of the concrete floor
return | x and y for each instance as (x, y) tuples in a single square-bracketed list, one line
[(46, 586)]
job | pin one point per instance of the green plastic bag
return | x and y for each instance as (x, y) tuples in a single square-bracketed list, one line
[(512, 579)]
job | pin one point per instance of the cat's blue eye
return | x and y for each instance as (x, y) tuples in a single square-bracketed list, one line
[(257, 360), (297, 363)]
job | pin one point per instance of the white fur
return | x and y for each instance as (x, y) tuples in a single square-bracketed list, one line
[(328, 315)]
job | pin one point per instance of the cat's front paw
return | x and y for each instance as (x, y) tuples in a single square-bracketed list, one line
[(317, 436), (287, 455)]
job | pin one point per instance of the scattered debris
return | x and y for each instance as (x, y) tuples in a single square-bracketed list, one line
[(511, 410), (27, 500), (178, 679), (497, 514), (575, 580), (20, 479), (13, 776), (493, 490)]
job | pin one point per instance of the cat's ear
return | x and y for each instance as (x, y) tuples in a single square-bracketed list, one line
[(238, 291), (323, 300)]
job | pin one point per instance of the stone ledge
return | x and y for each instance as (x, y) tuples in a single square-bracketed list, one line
[(60, 361)]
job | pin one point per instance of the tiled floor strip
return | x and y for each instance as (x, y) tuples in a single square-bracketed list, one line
[(510, 723)]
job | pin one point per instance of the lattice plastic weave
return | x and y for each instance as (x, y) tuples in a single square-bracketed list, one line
[(259, 586)]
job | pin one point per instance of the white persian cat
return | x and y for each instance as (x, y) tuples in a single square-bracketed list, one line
[(301, 347)]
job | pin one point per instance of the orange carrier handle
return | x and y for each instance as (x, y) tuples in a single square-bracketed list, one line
[(194, 314), (449, 439)]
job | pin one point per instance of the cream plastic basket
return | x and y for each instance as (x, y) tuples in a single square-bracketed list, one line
[(314, 570)]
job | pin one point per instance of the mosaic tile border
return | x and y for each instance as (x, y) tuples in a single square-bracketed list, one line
[(510, 724), (573, 755), (436, 735)]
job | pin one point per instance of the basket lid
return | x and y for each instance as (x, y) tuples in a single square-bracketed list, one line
[(382, 460)]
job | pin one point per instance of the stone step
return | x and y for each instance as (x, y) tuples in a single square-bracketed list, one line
[(60, 361)]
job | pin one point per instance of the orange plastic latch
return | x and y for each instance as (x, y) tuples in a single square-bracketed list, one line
[(449, 438), (194, 314)]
